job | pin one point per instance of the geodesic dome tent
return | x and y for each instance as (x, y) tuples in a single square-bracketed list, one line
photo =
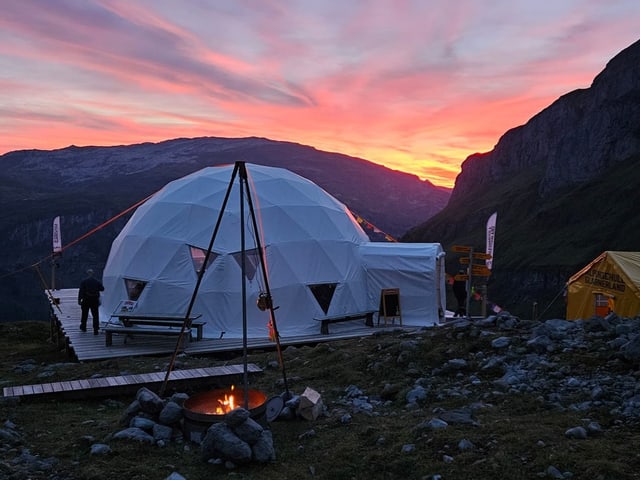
[(311, 244), (309, 241)]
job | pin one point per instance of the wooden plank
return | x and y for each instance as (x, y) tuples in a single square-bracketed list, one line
[(106, 385), (87, 347)]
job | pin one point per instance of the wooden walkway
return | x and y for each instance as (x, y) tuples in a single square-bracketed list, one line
[(84, 346), (127, 384)]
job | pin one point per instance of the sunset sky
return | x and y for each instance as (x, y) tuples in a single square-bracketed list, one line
[(414, 85)]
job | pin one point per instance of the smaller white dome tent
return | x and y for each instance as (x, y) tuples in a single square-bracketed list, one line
[(311, 244)]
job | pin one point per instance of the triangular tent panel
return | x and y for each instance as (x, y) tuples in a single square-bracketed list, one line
[(309, 240), (610, 283)]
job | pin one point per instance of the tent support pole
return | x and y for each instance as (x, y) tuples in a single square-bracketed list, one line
[(240, 169), (265, 277), (187, 318)]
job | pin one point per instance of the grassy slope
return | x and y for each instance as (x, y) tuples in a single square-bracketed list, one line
[(518, 435)]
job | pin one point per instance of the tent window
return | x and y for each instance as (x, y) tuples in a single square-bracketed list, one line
[(252, 260), (134, 288), (323, 293), (198, 255)]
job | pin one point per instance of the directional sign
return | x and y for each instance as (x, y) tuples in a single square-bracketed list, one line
[(464, 260), (461, 249), (461, 278), (482, 256), (480, 270)]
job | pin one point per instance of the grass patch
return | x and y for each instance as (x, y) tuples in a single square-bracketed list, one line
[(517, 435)]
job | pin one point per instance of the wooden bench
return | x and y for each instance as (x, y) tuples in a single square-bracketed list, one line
[(130, 320), (325, 321), (110, 330), (133, 324)]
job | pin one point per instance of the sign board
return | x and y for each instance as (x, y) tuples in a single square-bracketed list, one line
[(464, 260), (461, 249), (461, 278), (480, 270), (389, 302), (482, 256)]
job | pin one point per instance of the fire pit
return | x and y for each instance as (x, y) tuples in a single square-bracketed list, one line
[(204, 409)]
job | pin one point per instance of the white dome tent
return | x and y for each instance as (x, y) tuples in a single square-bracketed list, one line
[(311, 245)]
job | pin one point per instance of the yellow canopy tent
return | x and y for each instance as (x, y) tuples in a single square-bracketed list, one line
[(610, 283)]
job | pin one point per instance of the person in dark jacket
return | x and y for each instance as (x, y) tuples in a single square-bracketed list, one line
[(460, 291), (89, 300)]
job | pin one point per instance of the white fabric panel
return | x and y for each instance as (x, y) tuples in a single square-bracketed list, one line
[(415, 270)]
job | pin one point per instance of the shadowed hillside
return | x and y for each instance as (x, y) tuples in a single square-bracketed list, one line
[(564, 186)]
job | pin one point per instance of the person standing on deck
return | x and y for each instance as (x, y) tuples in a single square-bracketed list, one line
[(89, 299), (460, 292)]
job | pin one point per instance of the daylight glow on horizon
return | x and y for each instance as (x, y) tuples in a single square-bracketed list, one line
[(417, 86)]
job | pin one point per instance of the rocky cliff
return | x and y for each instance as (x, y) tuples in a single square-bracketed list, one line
[(564, 186)]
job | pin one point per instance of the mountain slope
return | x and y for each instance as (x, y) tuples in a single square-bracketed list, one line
[(564, 186), (88, 186)]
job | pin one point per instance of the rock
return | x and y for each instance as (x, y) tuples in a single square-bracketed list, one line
[(501, 342), (236, 417), (263, 450), (417, 394), (149, 402), (170, 414), (465, 444), (248, 431), (135, 434), (461, 417), (578, 433), (162, 432), (175, 476), (408, 448), (220, 441), (100, 449), (142, 423), (631, 350), (433, 424)]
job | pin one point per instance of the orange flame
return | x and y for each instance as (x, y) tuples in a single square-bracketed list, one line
[(226, 405)]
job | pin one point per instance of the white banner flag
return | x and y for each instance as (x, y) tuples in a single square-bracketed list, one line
[(57, 236), (491, 237)]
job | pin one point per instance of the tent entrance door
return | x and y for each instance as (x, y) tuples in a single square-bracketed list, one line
[(602, 304)]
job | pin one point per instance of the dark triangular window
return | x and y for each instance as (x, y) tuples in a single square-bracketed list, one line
[(323, 293), (198, 255), (134, 288), (251, 262)]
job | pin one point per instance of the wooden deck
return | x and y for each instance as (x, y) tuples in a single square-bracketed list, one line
[(127, 384), (84, 346)]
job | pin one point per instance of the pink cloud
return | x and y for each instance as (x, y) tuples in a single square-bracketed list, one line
[(416, 86)]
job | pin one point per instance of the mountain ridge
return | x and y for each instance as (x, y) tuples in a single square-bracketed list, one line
[(87, 186), (563, 185)]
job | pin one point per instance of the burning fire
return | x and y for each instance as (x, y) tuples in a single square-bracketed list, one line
[(226, 405)]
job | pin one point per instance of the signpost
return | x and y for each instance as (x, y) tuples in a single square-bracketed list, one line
[(473, 270), (480, 270)]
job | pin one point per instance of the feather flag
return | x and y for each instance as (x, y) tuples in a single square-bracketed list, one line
[(491, 237), (57, 236)]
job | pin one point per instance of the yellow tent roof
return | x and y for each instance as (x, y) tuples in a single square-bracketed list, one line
[(615, 275), (627, 262)]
